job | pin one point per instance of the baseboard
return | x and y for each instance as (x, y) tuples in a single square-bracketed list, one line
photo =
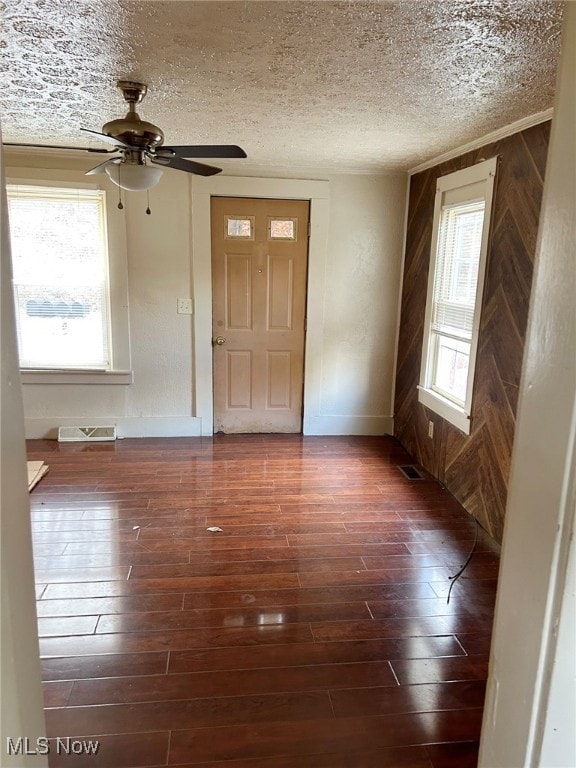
[(153, 426), (349, 425), (191, 426)]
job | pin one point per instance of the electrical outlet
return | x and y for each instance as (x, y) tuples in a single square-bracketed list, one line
[(185, 306), (430, 429)]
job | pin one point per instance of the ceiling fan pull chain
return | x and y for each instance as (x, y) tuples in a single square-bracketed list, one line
[(148, 211), (120, 205)]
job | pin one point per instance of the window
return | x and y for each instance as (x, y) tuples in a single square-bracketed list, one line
[(282, 229), (60, 261), (240, 227), (455, 285)]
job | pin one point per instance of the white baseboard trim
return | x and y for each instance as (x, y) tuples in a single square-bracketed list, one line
[(152, 426), (349, 425), (191, 426)]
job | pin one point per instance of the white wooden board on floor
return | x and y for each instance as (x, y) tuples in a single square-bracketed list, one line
[(36, 471)]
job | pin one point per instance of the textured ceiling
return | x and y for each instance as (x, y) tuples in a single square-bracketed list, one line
[(346, 86)]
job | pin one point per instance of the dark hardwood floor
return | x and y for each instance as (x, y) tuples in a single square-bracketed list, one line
[(313, 630)]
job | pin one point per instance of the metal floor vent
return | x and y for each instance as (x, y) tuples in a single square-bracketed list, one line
[(87, 434), (410, 471)]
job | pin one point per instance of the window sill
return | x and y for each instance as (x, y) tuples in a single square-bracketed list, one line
[(445, 408), (54, 376)]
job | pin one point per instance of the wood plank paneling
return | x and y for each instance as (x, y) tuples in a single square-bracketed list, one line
[(475, 467)]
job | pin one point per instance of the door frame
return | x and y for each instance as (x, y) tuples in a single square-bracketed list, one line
[(202, 189)]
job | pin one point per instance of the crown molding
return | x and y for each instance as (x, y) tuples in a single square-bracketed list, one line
[(500, 133)]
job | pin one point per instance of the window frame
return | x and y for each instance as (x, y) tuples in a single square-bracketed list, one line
[(120, 371), (460, 187)]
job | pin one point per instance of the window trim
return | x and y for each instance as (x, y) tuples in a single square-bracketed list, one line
[(454, 186), (120, 371), (71, 376)]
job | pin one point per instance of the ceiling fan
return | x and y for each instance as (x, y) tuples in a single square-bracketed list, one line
[(138, 146)]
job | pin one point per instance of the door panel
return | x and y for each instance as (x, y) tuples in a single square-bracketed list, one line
[(238, 293), (280, 293), (259, 268), (278, 379), (239, 373)]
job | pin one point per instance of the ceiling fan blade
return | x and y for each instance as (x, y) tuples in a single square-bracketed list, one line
[(101, 167), (59, 146), (186, 165), (106, 138), (206, 150)]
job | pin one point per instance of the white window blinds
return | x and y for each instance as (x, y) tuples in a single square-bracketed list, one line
[(459, 244), (60, 265)]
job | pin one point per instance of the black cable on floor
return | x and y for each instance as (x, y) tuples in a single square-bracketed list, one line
[(456, 576)]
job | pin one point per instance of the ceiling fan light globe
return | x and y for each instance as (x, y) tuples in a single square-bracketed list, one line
[(134, 178)]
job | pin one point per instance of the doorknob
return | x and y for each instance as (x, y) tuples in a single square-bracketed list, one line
[(220, 340)]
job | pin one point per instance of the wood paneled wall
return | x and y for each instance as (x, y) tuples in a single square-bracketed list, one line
[(475, 467)]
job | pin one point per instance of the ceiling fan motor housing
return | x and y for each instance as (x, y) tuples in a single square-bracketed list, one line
[(131, 129), (135, 132)]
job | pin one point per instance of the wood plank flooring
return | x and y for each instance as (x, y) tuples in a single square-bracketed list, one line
[(313, 630)]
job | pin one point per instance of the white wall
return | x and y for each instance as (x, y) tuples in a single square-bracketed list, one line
[(531, 700), (354, 284), (360, 303), (21, 709), (159, 272), (559, 711)]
